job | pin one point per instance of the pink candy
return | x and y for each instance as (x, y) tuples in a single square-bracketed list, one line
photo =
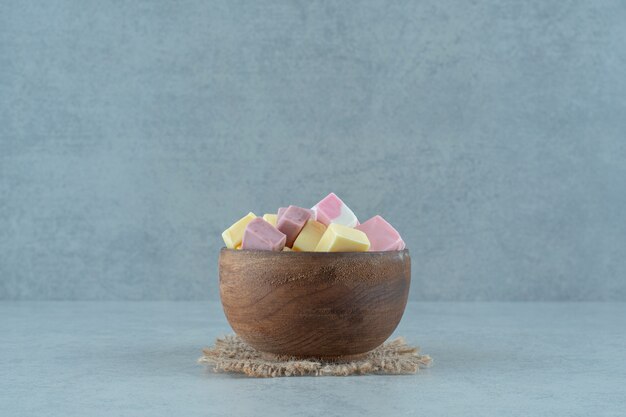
[(332, 210), (281, 210), (279, 213), (292, 221), (382, 235), (261, 235)]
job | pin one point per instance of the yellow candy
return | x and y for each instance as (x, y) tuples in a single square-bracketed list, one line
[(238, 247), (339, 238), (270, 218), (234, 234), (309, 237), (287, 249)]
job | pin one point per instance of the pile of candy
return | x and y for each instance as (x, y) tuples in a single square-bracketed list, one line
[(330, 226)]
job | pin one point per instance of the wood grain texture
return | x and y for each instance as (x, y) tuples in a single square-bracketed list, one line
[(306, 304)]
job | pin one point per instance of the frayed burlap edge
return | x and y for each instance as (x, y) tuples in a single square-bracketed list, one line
[(231, 354)]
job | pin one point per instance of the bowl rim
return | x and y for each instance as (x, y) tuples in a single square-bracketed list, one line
[(300, 253)]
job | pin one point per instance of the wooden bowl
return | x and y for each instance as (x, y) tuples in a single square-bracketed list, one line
[(336, 305)]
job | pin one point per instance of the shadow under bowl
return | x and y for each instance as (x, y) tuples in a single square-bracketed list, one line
[(337, 305)]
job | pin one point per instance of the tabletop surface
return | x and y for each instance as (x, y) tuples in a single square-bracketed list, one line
[(139, 359)]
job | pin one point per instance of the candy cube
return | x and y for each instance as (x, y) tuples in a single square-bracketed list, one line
[(234, 234), (332, 210), (309, 237), (382, 235), (261, 235), (281, 210), (279, 213), (292, 221), (339, 238), (270, 218)]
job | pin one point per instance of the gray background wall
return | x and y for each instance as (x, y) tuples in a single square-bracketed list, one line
[(491, 134)]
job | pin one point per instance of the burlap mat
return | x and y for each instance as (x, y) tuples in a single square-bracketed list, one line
[(231, 354)]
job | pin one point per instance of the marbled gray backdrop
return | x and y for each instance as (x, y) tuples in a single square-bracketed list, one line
[(492, 134)]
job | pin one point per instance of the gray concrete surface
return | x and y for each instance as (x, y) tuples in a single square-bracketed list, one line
[(139, 359)]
